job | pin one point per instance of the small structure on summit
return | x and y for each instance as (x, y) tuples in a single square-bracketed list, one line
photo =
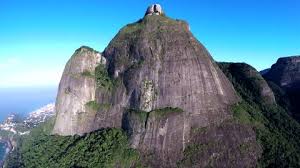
[(154, 10)]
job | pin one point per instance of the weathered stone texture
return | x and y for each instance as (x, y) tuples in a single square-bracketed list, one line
[(286, 74), (163, 65), (76, 88), (162, 84)]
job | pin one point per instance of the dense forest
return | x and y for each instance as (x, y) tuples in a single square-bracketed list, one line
[(102, 148), (277, 132)]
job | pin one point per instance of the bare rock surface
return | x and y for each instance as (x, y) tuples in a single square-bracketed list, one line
[(229, 144), (77, 87), (286, 74), (159, 83), (162, 65)]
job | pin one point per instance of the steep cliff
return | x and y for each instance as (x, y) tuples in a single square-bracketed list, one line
[(159, 84), (164, 68), (286, 74), (76, 91)]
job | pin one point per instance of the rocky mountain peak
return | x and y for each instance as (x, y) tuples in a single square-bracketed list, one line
[(154, 9), (158, 84), (285, 72)]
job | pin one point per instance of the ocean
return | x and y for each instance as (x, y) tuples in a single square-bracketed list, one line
[(22, 101)]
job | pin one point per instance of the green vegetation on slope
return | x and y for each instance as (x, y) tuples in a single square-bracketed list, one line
[(246, 80), (85, 48), (142, 115), (103, 148), (226, 144), (103, 80), (87, 73), (128, 41), (277, 132), (93, 105), (162, 112), (159, 113)]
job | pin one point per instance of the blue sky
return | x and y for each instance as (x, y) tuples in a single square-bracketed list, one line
[(38, 37)]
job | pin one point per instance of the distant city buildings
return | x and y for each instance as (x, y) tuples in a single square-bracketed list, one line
[(34, 118)]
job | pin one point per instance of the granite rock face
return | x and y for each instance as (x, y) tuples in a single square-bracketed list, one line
[(77, 87), (163, 67), (286, 74), (159, 83), (219, 146)]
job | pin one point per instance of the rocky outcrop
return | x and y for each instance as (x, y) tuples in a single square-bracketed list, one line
[(159, 84), (154, 10), (77, 87), (286, 74)]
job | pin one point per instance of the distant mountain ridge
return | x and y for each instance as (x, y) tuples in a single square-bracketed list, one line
[(286, 74)]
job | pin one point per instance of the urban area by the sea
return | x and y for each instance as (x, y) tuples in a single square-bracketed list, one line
[(14, 125)]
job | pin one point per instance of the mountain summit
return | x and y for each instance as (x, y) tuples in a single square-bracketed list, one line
[(159, 84), (156, 98)]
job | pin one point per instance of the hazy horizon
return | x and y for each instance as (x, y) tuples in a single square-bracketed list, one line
[(25, 99)]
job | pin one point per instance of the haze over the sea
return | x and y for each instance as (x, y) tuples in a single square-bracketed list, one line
[(23, 100)]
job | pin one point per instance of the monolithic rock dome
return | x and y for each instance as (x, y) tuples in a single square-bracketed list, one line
[(159, 84)]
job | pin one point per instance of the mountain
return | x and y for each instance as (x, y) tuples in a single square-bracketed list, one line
[(262, 72), (276, 131), (160, 85), (285, 73), (156, 98), (77, 90)]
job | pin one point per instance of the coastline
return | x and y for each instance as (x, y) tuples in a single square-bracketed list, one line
[(14, 128)]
